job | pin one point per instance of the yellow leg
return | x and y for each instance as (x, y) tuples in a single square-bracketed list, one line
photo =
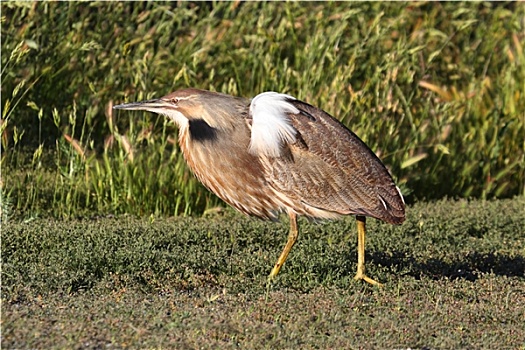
[(361, 230), (292, 238)]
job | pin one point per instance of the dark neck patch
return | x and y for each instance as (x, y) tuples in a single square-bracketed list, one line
[(201, 131)]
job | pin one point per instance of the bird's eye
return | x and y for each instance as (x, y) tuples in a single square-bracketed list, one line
[(175, 100)]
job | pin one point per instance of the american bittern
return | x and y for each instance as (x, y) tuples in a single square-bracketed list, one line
[(275, 154)]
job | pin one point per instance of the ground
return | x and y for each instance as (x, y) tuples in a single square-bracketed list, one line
[(453, 274)]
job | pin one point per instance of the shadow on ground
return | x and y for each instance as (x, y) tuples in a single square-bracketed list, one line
[(469, 268)]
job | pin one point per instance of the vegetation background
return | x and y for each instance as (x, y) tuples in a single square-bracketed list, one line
[(437, 90)]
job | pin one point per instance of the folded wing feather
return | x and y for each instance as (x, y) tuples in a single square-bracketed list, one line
[(332, 169)]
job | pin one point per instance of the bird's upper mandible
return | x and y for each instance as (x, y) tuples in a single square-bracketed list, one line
[(271, 127)]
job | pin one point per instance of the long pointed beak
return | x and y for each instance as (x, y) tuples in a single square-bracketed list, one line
[(148, 105)]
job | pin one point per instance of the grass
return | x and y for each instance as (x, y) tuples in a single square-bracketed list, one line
[(454, 277), (96, 253), (433, 88)]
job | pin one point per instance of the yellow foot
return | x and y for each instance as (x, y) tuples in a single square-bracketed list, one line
[(269, 281), (363, 277), (271, 278), (274, 272)]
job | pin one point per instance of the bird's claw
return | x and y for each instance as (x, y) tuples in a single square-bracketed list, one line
[(361, 276)]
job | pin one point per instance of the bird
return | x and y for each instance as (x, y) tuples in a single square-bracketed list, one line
[(275, 154)]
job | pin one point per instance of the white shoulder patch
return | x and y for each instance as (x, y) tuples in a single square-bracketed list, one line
[(271, 128)]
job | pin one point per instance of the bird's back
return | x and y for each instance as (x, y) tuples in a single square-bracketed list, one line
[(328, 171)]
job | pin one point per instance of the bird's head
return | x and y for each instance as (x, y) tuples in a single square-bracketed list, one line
[(187, 105)]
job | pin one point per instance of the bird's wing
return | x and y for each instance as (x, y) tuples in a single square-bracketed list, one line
[(324, 165)]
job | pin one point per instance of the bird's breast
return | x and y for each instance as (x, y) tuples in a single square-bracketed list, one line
[(221, 161)]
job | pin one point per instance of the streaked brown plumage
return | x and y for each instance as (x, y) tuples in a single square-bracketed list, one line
[(277, 154)]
